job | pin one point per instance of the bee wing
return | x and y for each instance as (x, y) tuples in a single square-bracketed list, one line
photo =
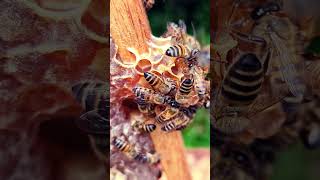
[(267, 98), (287, 67), (94, 122)]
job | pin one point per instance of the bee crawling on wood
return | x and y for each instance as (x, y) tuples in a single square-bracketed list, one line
[(143, 127), (129, 150)]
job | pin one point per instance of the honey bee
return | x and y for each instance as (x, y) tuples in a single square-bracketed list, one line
[(144, 106), (179, 35), (200, 84), (95, 121), (128, 149), (239, 89), (181, 51), (279, 33), (179, 122), (186, 86), (167, 115), (158, 84), (149, 95), (142, 127)]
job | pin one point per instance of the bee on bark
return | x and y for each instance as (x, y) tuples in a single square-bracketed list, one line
[(128, 149), (143, 127), (168, 114), (93, 97), (179, 122)]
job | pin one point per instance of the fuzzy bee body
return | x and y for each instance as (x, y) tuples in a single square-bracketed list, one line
[(178, 50), (128, 149), (93, 97), (243, 82), (280, 34), (122, 145), (186, 86), (157, 83), (167, 115), (239, 90), (179, 122), (144, 106), (149, 95), (143, 127)]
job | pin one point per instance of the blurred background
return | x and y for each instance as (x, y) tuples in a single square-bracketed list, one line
[(191, 12)]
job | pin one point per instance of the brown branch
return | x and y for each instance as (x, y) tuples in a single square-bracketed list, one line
[(129, 27)]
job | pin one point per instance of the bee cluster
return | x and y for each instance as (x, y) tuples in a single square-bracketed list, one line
[(163, 87), (263, 100)]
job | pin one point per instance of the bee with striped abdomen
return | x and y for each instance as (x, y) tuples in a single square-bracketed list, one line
[(143, 127), (128, 149), (186, 86), (149, 95), (93, 97), (201, 85), (239, 89), (179, 122), (181, 51), (280, 35), (167, 115), (178, 50), (158, 84)]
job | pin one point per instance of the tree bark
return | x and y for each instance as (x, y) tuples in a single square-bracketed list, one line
[(129, 27)]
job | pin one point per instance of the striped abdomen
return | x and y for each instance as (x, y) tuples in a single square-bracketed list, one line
[(178, 51), (186, 86), (243, 82), (92, 96), (157, 83), (178, 123), (122, 145), (149, 127), (167, 115)]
